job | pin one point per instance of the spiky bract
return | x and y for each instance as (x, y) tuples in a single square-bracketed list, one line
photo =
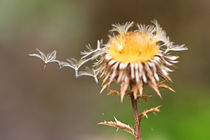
[(138, 58)]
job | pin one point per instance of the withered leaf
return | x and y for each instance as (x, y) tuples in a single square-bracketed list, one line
[(119, 125), (146, 112)]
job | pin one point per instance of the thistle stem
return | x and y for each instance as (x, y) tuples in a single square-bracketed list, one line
[(135, 114)]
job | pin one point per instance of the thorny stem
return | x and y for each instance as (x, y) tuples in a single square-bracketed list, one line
[(135, 114)]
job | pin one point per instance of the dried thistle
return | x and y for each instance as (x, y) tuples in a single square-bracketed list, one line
[(138, 58), (146, 112), (119, 125), (133, 60)]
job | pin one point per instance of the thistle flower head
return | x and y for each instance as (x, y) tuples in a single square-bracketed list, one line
[(138, 58)]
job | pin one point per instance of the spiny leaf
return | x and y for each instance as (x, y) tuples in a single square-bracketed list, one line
[(146, 112), (119, 125)]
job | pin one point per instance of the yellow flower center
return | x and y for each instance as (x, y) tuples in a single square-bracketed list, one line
[(132, 47)]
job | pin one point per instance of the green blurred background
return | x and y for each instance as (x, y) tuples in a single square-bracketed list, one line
[(50, 104)]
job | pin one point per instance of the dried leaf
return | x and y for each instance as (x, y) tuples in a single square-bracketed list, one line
[(146, 112), (119, 125)]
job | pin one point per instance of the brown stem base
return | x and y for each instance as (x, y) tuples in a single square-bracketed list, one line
[(135, 114)]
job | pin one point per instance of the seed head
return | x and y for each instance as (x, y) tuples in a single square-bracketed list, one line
[(138, 58)]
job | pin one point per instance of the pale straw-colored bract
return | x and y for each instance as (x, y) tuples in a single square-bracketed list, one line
[(115, 62)]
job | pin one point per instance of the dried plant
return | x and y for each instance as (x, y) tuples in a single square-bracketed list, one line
[(119, 125), (133, 60)]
